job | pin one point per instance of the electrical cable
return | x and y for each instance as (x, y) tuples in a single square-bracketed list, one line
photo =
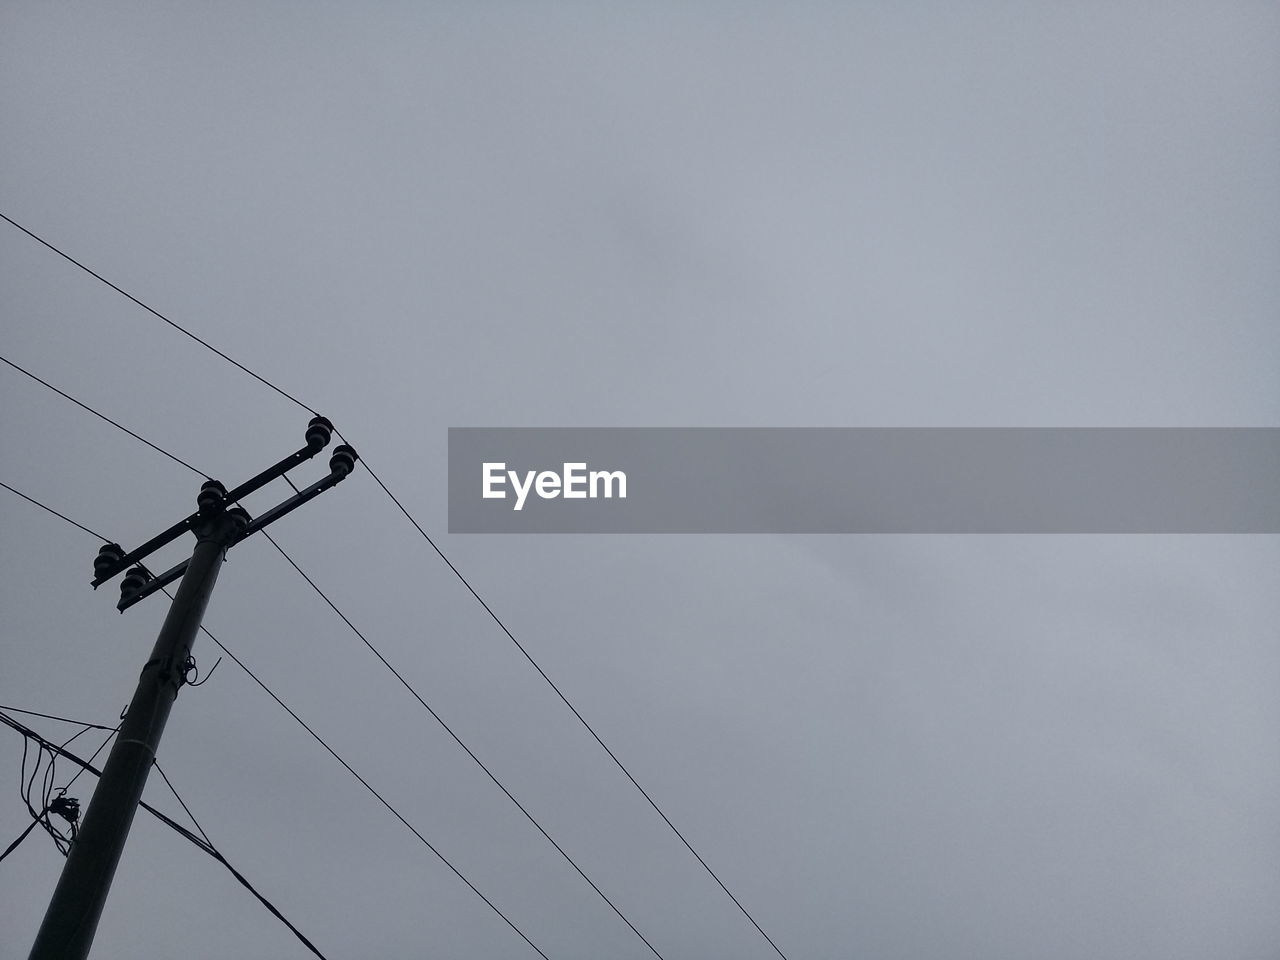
[(368, 786), (465, 582), (93, 756), (400, 677), (47, 509), (320, 740), (63, 806), (480, 763), (50, 716), (155, 313), (187, 810), (22, 836), (204, 844), (101, 416), (574, 710)]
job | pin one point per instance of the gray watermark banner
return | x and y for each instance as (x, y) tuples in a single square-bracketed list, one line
[(864, 480)]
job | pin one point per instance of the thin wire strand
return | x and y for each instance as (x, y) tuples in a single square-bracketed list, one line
[(583, 720), (156, 313), (48, 509), (458, 740), (100, 416), (365, 783), (458, 573), (22, 836), (217, 855), (50, 716), (93, 756), (168, 783)]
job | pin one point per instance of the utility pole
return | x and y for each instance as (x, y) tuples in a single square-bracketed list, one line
[(72, 917)]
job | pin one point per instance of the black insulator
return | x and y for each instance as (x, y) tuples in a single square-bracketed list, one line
[(343, 460), (134, 581), (241, 516), (211, 495), (319, 432), (109, 554)]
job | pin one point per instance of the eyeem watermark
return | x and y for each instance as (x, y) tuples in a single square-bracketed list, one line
[(574, 482), (864, 480)]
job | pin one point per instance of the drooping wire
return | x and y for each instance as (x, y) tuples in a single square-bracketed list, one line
[(398, 675), (320, 740), (202, 841), (449, 563), (46, 771)]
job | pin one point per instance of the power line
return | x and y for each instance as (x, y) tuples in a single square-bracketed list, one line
[(465, 582), (94, 756), (381, 799), (22, 836), (480, 763), (47, 509), (583, 720), (102, 416), (217, 855), (400, 677), (204, 844), (50, 716), (182, 803), (156, 313), (320, 740)]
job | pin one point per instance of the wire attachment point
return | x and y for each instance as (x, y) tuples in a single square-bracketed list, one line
[(190, 669), (211, 497)]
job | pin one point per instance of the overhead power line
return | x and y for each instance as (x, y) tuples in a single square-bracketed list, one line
[(48, 509), (449, 563), (320, 740), (50, 716), (377, 653), (102, 416), (155, 313), (480, 763)]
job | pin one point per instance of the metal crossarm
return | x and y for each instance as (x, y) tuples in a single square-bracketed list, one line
[(112, 560)]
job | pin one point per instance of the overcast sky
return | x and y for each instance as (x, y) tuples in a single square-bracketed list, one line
[(418, 216)]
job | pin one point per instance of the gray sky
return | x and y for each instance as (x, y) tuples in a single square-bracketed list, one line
[(414, 217)]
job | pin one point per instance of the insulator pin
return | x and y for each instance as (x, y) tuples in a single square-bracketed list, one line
[(343, 460), (133, 581), (319, 433), (211, 495), (109, 554), (241, 518)]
